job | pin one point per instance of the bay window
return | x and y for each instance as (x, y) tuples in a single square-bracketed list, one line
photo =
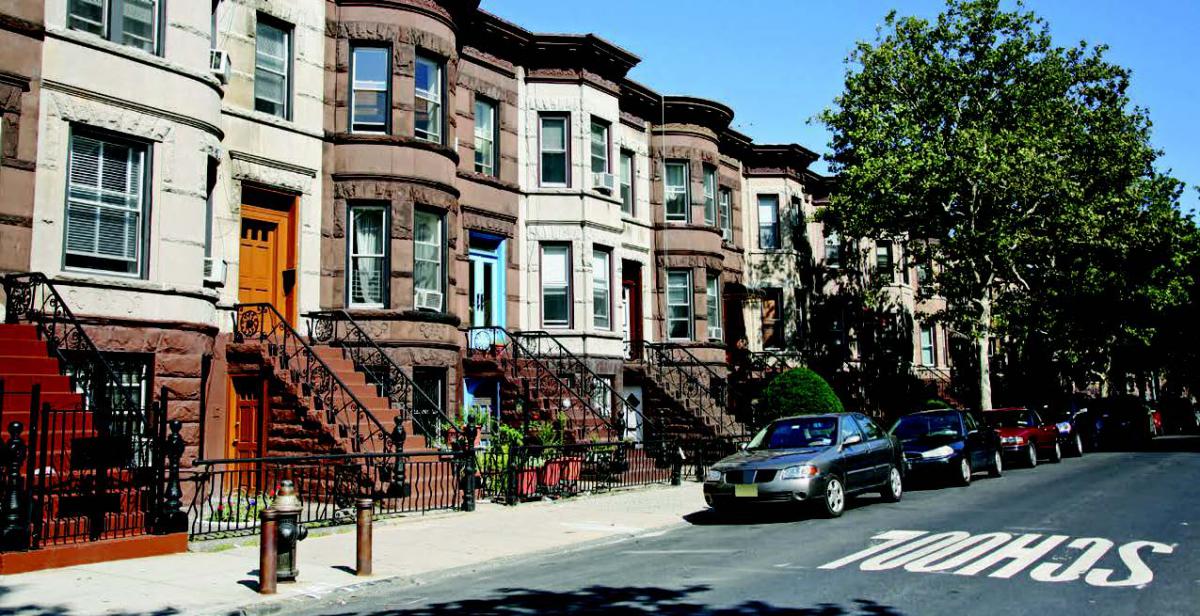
[(601, 289), (427, 99), (133, 23), (599, 146), (627, 182), (713, 297), (429, 279), (553, 150), (106, 205), (768, 222), (678, 202), (928, 358), (556, 285), (371, 76), (725, 202), (679, 305), (485, 137), (710, 196), (367, 256)]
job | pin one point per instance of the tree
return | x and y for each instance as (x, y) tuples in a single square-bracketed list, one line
[(798, 391), (974, 140)]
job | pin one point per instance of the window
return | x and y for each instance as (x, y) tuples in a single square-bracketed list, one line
[(368, 255), (556, 285), (870, 429), (272, 59), (923, 273), (599, 146), (134, 23), (371, 68), (431, 383), (427, 105), (209, 193), (602, 395), (928, 358), (772, 318), (601, 289), (554, 151), (486, 136), (678, 203), (768, 222), (106, 205), (883, 256), (833, 250), (710, 196), (679, 305), (713, 297), (725, 202), (627, 182), (428, 279), (849, 428)]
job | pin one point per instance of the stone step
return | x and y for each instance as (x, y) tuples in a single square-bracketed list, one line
[(17, 331)]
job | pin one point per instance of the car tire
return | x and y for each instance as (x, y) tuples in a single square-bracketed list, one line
[(1056, 453), (997, 468), (1032, 460), (965, 471), (893, 490), (833, 504), (1077, 446)]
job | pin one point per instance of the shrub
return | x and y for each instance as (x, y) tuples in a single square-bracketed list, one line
[(798, 391), (937, 403)]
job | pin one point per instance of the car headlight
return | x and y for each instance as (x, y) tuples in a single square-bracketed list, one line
[(940, 452), (712, 476), (1012, 440), (803, 471), (1064, 427)]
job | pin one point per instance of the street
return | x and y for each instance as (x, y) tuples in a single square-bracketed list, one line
[(1111, 533)]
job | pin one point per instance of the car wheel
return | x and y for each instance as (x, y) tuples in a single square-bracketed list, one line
[(1078, 447), (894, 489), (964, 472), (997, 465), (1056, 453), (835, 498), (1032, 461)]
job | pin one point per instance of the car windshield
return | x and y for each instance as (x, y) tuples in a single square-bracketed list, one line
[(1008, 419), (927, 424), (797, 433)]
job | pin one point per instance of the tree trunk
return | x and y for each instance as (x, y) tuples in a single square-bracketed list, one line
[(981, 343)]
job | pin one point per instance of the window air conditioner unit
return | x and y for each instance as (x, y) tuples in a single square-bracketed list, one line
[(219, 64), (429, 300), (714, 333), (214, 271), (602, 181)]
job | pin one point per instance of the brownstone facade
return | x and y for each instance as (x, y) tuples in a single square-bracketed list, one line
[(21, 33)]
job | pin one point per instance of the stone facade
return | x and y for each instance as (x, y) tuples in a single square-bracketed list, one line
[(21, 33)]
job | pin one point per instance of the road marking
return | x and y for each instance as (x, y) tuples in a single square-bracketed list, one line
[(1006, 555), (662, 552)]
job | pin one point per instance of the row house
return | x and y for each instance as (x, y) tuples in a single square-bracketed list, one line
[(259, 205)]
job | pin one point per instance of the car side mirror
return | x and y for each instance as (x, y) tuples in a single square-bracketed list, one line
[(853, 439)]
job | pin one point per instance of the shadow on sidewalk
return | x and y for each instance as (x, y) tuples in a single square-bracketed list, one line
[(625, 600), (49, 609)]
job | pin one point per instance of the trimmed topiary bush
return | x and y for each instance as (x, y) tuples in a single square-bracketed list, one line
[(798, 391)]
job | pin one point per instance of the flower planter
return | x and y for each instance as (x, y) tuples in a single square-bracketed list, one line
[(572, 468), (527, 482), (550, 473)]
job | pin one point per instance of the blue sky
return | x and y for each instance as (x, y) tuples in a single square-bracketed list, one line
[(779, 62)]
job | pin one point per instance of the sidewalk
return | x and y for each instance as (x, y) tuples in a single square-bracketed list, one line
[(223, 581)]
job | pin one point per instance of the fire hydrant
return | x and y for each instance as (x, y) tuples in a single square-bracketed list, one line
[(289, 531)]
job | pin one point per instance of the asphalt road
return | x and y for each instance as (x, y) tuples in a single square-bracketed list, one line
[(1111, 533)]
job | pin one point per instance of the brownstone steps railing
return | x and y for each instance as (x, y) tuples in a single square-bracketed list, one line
[(693, 387)]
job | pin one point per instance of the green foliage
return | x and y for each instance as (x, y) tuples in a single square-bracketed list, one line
[(936, 403), (1023, 173), (798, 391)]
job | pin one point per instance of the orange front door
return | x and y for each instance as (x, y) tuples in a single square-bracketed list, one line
[(246, 418), (266, 270)]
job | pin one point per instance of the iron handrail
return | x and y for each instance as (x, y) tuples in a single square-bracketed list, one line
[(592, 377), (21, 299), (319, 380), (659, 359), (479, 335), (774, 360), (398, 386)]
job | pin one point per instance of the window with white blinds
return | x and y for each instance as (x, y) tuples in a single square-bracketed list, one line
[(106, 205)]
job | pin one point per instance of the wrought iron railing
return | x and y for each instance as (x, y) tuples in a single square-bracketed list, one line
[(33, 297), (768, 362), (582, 393), (329, 395), (513, 473), (229, 494), (682, 376), (337, 327)]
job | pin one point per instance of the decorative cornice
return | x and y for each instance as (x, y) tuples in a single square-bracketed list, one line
[(489, 180), (343, 138), (269, 120), (14, 80), (396, 178), (471, 209), (136, 55), (433, 9), (272, 163), (170, 116), (22, 26)]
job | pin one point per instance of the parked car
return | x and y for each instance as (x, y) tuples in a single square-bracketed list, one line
[(1123, 421), (1025, 436), (1074, 424), (1180, 416), (948, 445), (822, 459)]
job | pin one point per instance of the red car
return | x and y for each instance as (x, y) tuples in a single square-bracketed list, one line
[(1024, 435)]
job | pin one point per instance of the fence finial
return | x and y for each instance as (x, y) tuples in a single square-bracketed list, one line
[(172, 518), (14, 533)]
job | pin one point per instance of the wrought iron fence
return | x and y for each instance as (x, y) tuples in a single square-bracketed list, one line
[(338, 327), (513, 473), (229, 494), (316, 380)]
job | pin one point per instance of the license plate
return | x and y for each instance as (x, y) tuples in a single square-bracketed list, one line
[(745, 491)]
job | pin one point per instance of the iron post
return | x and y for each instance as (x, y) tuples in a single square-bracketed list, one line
[(15, 532), (171, 517), (470, 431), (268, 558), (363, 553)]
